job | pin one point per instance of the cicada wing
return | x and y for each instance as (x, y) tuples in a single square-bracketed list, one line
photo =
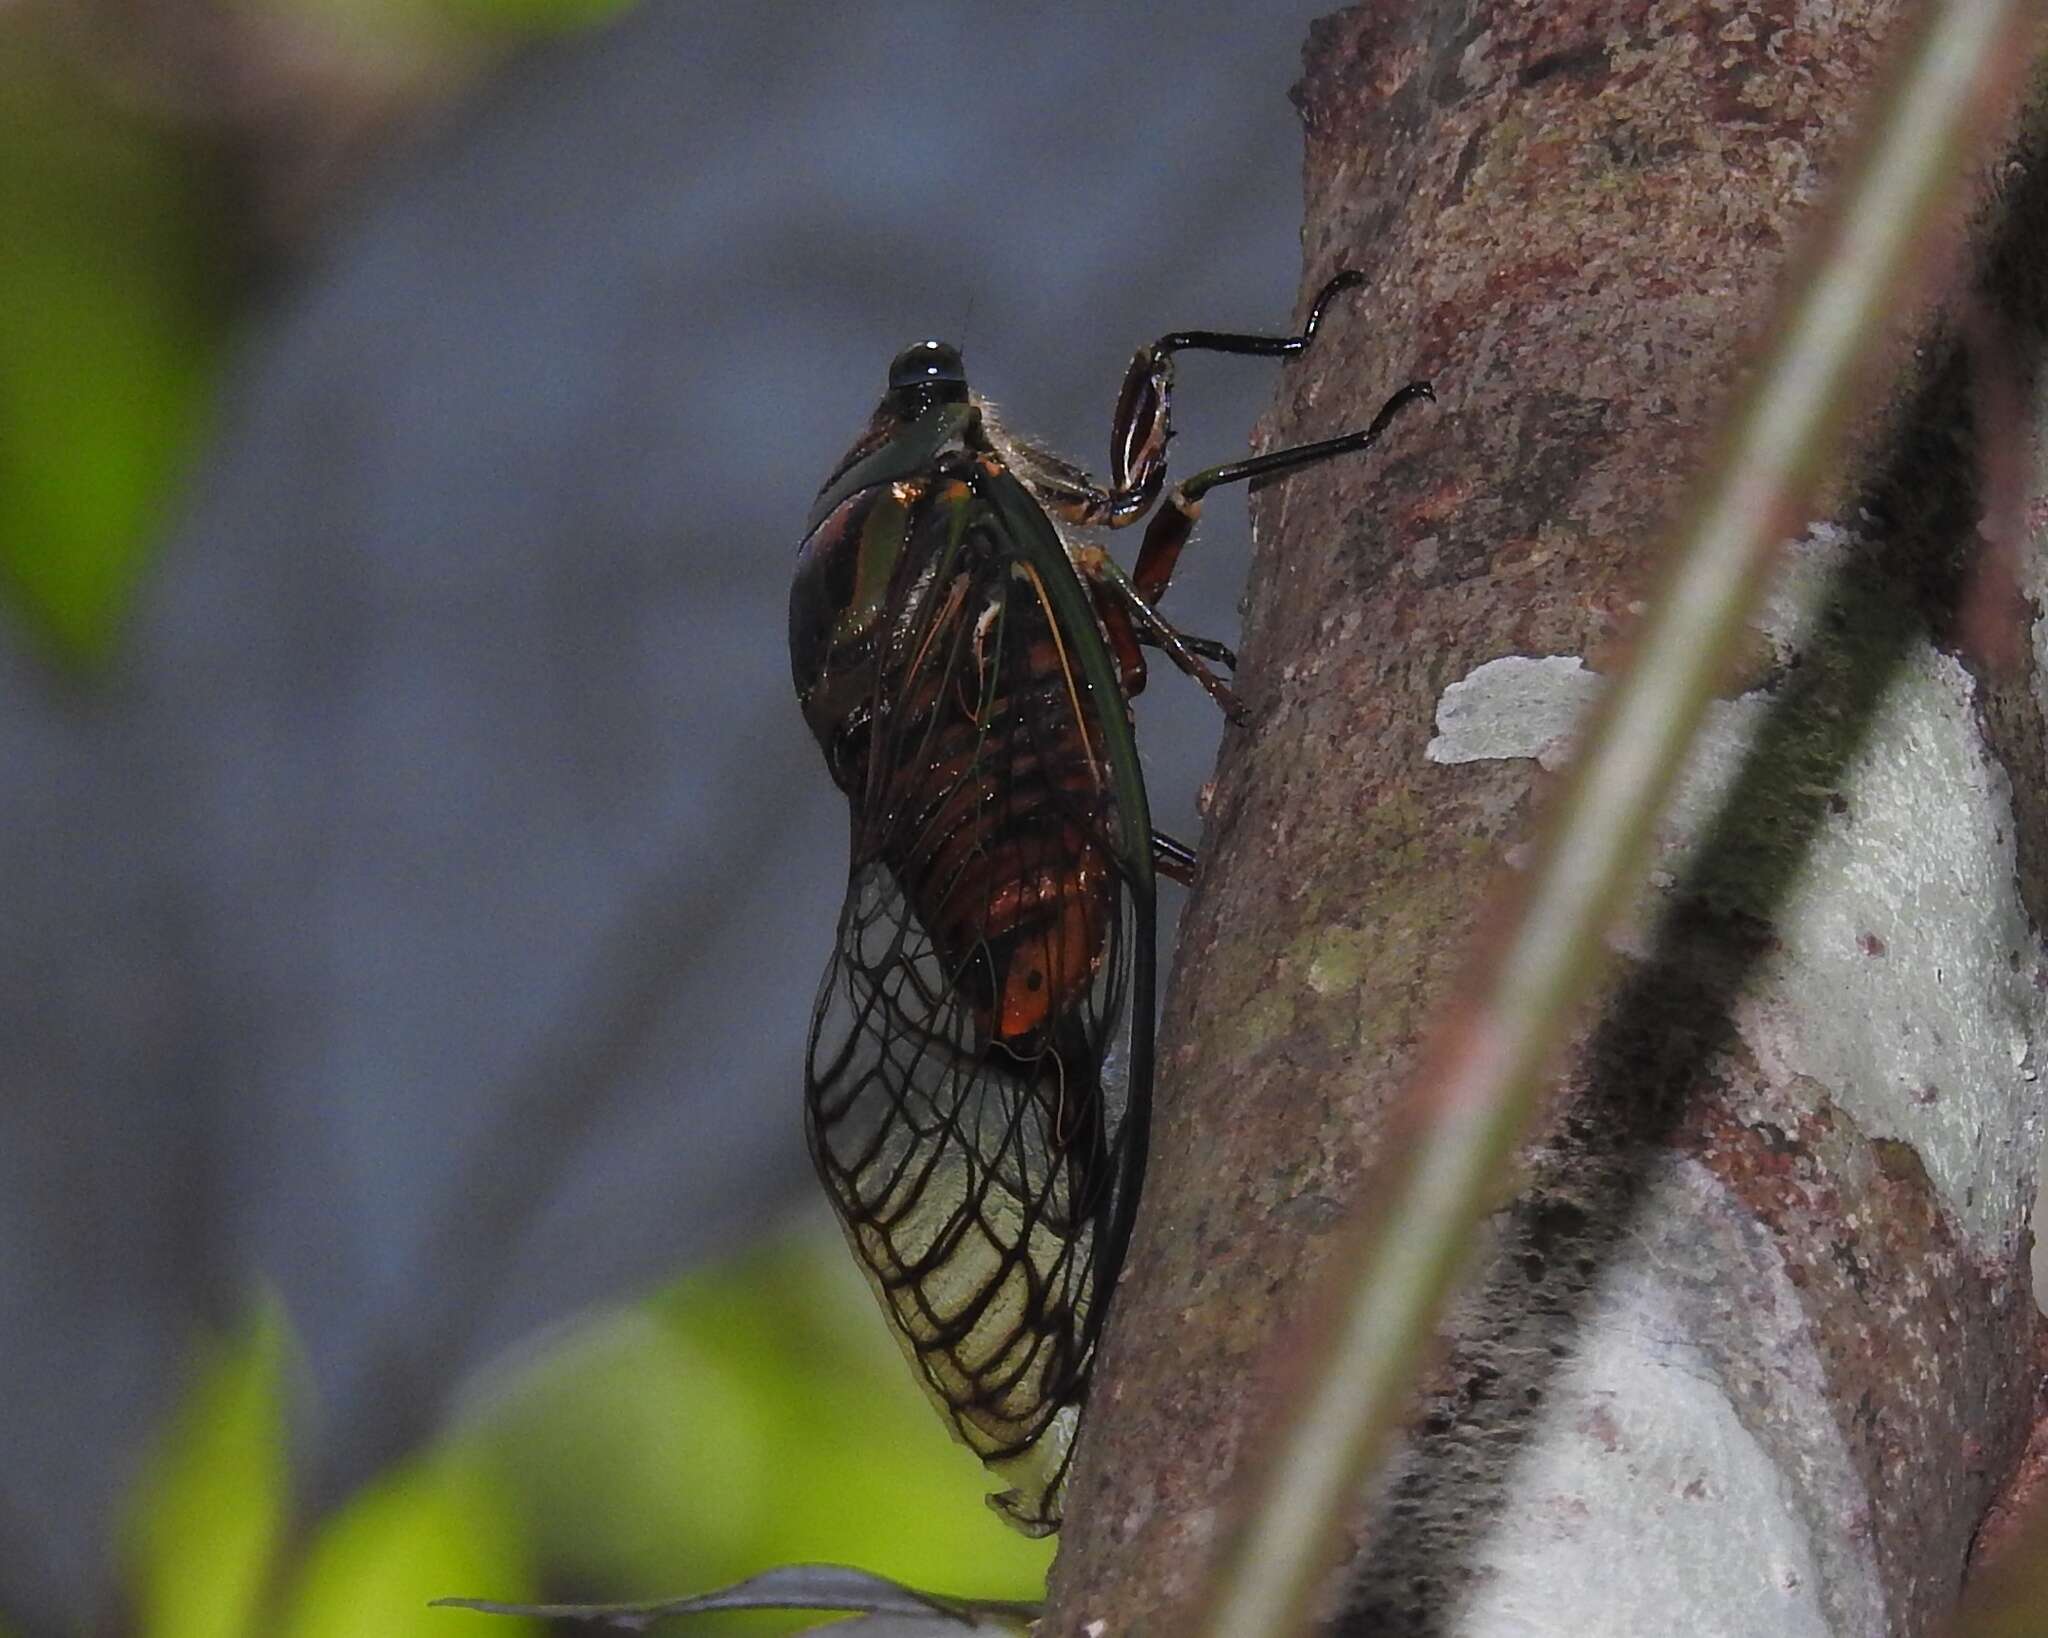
[(992, 956), (977, 1229)]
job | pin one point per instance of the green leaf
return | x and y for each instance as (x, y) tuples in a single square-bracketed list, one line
[(112, 298), (443, 26), (376, 1566), (206, 1515), (758, 1412)]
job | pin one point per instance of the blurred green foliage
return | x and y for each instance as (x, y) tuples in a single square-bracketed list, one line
[(533, 16), (125, 251), (376, 1568), (213, 1493), (484, 21), (112, 310), (755, 1414), (802, 1436)]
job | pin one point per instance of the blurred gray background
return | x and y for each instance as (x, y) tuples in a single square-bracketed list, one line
[(423, 919)]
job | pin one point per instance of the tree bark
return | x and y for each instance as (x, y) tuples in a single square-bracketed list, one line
[(1752, 1349)]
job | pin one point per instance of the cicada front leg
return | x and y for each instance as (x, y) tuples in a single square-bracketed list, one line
[(1129, 603), (1130, 619), (1142, 427), (1139, 435), (1171, 525)]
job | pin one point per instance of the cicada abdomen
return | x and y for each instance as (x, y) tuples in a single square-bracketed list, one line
[(979, 1071)]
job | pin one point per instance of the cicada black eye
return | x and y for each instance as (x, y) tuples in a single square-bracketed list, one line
[(930, 371)]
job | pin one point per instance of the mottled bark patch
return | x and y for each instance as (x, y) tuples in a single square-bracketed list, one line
[(1898, 1307)]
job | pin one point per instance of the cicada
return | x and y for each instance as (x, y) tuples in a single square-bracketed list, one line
[(980, 1063)]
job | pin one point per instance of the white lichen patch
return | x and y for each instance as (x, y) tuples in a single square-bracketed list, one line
[(1513, 707), (1525, 706), (1799, 590), (1904, 977), (1904, 981), (1903, 973), (1657, 1500), (1644, 1488)]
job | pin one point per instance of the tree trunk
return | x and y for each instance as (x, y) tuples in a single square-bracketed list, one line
[(1752, 1349)]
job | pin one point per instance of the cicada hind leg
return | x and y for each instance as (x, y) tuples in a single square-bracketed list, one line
[(1139, 434)]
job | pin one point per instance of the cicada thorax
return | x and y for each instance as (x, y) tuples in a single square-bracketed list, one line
[(995, 812)]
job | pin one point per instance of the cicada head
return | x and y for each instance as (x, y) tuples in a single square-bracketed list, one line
[(926, 377), (923, 374)]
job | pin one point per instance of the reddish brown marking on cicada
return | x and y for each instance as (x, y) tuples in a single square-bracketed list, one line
[(1042, 924)]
